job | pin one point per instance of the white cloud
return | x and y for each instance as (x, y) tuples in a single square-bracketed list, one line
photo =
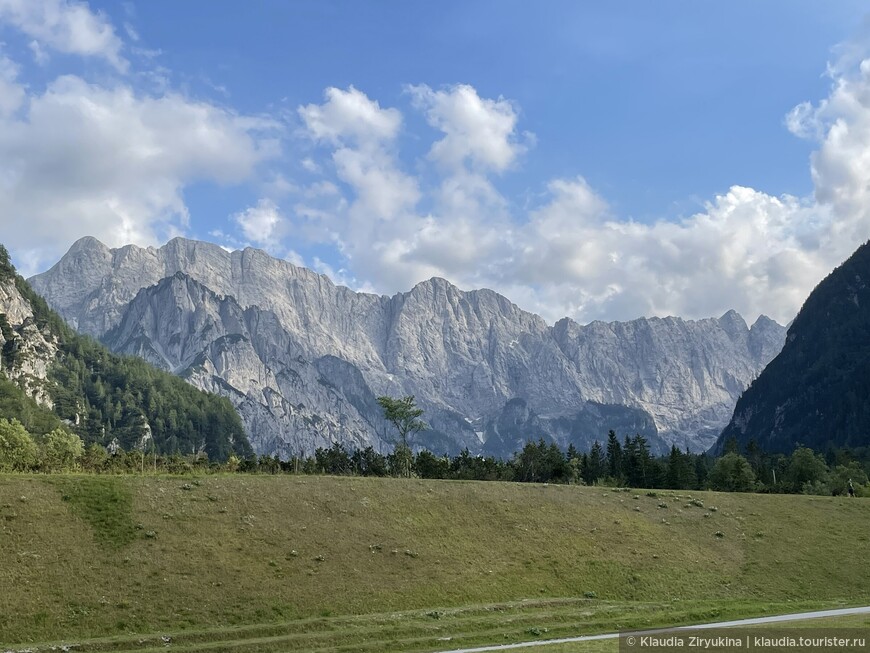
[(294, 257), (571, 255), (262, 224), (383, 191), (113, 163), (350, 116), (12, 93), (744, 250), (65, 26), (478, 132), (40, 56), (322, 189), (309, 164), (841, 165), (361, 136)]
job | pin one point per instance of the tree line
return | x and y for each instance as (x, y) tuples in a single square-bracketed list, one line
[(625, 463)]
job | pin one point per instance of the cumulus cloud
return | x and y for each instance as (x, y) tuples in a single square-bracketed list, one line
[(106, 159), (744, 250), (350, 116), (381, 234), (382, 190), (113, 160), (478, 132), (841, 165), (361, 136), (65, 26), (571, 255), (110, 162), (262, 224), (11, 92)]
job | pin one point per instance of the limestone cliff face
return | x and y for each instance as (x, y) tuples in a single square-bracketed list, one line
[(289, 402), (686, 374), (303, 359), (26, 350)]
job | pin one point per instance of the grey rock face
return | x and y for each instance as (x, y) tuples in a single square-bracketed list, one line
[(686, 374), (26, 351), (290, 403), (304, 359)]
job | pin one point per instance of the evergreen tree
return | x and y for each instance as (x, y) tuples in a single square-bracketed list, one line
[(614, 457), (680, 473), (597, 463)]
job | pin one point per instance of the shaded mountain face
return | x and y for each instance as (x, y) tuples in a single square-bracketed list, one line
[(303, 359), (292, 403), (814, 393)]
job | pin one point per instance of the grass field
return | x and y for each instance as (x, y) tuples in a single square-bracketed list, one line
[(261, 563)]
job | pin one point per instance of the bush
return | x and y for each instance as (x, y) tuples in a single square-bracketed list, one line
[(61, 451), (732, 473), (18, 451)]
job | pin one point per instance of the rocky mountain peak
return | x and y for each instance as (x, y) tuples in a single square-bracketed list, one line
[(87, 245), (734, 325)]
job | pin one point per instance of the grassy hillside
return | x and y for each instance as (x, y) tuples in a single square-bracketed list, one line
[(317, 563)]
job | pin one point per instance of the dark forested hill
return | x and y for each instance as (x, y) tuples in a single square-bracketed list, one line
[(816, 391), (50, 375)]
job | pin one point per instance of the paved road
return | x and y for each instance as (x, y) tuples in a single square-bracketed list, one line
[(798, 616)]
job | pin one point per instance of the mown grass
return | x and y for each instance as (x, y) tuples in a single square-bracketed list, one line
[(318, 563), (104, 502)]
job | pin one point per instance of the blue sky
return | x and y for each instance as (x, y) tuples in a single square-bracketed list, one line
[(602, 161)]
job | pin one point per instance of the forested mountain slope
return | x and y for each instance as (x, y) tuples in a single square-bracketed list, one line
[(815, 392), (50, 375)]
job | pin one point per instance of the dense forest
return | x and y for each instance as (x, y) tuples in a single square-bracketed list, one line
[(114, 400), (814, 393), (615, 463)]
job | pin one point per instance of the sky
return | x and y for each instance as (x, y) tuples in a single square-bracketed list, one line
[(591, 160)]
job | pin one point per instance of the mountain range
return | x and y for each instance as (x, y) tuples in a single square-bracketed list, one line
[(303, 360)]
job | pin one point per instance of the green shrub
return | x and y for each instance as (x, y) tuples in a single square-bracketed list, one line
[(61, 451), (18, 451)]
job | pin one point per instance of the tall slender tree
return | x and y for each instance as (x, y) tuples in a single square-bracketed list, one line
[(404, 414), (614, 456)]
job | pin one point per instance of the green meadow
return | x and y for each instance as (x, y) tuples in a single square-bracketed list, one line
[(286, 563)]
